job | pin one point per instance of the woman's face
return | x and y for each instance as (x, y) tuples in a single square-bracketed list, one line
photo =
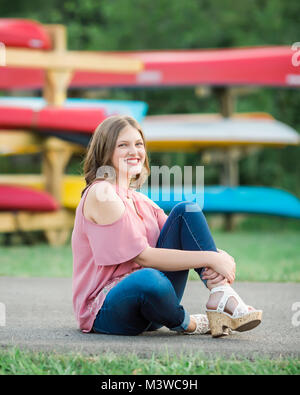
[(129, 153)]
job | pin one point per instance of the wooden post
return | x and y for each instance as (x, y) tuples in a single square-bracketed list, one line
[(58, 35), (57, 81), (56, 86), (57, 153), (230, 175), (226, 101), (56, 156)]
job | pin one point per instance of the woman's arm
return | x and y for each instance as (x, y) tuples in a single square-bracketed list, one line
[(176, 260), (107, 207)]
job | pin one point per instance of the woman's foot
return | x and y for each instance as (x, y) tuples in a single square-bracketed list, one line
[(198, 325), (225, 309), (214, 299)]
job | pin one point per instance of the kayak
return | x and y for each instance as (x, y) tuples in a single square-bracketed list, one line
[(224, 199), (24, 33), (134, 108), (23, 198), (81, 120)]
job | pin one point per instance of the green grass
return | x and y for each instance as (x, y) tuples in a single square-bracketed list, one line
[(265, 249), (16, 362), (39, 260), (262, 256)]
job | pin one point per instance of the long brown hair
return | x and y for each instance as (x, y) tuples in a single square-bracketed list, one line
[(101, 148)]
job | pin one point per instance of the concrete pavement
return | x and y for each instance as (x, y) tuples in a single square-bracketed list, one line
[(39, 316)]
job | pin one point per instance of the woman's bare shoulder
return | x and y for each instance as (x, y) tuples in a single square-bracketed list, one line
[(103, 205), (104, 191)]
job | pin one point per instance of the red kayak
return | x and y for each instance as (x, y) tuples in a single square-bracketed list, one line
[(79, 120), (24, 33), (22, 198), (262, 66)]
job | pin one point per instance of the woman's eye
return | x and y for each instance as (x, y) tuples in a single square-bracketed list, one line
[(123, 144)]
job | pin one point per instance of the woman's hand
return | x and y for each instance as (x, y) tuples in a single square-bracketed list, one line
[(224, 265), (213, 277)]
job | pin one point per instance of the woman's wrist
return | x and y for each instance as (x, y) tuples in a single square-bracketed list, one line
[(213, 259)]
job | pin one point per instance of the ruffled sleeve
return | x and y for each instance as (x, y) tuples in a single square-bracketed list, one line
[(116, 243), (161, 217)]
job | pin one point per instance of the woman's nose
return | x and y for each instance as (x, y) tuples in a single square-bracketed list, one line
[(133, 150)]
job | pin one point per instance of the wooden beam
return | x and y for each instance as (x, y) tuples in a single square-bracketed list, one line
[(36, 181), (56, 225), (71, 60), (31, 221), (13, 142), (59, 63)]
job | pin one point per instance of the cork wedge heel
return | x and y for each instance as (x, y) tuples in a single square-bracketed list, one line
[(241, 320), (202, 326)]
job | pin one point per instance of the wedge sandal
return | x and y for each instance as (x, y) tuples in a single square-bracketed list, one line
[(241, 320), (202, 326)]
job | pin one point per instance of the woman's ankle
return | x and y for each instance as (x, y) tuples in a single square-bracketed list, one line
[(210, 286), (192, 325), (215, 298)]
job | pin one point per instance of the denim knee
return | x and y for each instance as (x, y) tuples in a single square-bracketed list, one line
[(156, 282), (186, 207)]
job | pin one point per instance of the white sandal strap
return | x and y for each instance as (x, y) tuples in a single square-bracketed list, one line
[(241, 307), (221, 288), (222, 302)]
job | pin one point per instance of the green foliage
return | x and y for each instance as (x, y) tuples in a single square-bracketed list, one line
[(164, 24)]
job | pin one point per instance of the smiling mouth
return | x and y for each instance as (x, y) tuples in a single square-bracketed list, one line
[(134, 161)]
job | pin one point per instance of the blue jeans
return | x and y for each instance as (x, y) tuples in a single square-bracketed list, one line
[(148, 298)]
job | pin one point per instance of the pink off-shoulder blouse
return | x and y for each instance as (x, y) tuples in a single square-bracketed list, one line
[(104, 254)]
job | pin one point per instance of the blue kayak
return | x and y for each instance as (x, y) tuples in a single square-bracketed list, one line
[(240, 199), (136, 109)]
